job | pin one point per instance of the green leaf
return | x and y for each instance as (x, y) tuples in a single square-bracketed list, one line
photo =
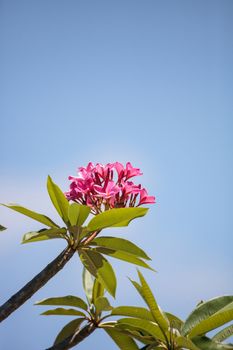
[(174, 321), (223, 334), (123, 341), (214, 321), (100, 268), (150, 327), (68, 300), (98, 291), (132, 259), (133, 311), (116, 217), (31, 214), (78, 213), (205, 343), (2, 228), (203, 311), (186, 343), (58, 199), (148, 296), (102, 304), (88, 284), (69, 330), (60, 311), (43, 234), (120, 244)]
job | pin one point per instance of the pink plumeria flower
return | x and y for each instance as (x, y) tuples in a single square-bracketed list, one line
[(108, 191), (106, 186), (145, 199), (130, 171)]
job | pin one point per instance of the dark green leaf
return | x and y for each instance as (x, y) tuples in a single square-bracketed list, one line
[(100, 268), (68, 300), (205, 343), (223, 334), (216, 320), (32, 214), (174, 321), (43, 234), (150, 327), (133, 311), (58, 199), (84, 233), (120, 244), (203, 311), (102, 304), (124, 342), (2, 228), (69, 330), (149, 298), (116, 217), (60, 311), (78, 213), (132, 259), (98, 291), (186, 343)]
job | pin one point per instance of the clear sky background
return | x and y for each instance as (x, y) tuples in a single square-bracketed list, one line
[(143, 81)]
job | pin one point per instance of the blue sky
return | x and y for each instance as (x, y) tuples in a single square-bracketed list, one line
[(143, 81)]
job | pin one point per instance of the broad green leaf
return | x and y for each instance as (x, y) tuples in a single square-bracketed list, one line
[(205, 343), (88, 284), (68, 330), (2, 228), (150, 327), (100, 268), (133, 311), (214, 321), (132, 259), (148, 296), (102, 304), (58, 199), (98, 291), (131, 331), (68, 300), (78, 213), (186, 343), (84, 233), (120, 244), (43, 235), (116, 217), (31, 214), (60, 311), (137, 286), (138, 334), (203, 311), (174, 321), (223, 334), (123, 341)]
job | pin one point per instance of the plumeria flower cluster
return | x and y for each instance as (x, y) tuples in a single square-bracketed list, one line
[(104, 187)]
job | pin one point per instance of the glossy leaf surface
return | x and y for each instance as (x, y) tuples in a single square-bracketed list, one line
[(68, 300), (32, 214), (100, 268), (43, 235), (58, 199), (116, 217)]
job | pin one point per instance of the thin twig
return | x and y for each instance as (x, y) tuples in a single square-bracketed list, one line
[(36, 283)]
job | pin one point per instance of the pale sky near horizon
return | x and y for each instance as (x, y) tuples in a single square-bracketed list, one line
[(143, 81)]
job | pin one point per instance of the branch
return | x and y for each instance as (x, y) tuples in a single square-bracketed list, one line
[(74, 339), (36, 283)]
